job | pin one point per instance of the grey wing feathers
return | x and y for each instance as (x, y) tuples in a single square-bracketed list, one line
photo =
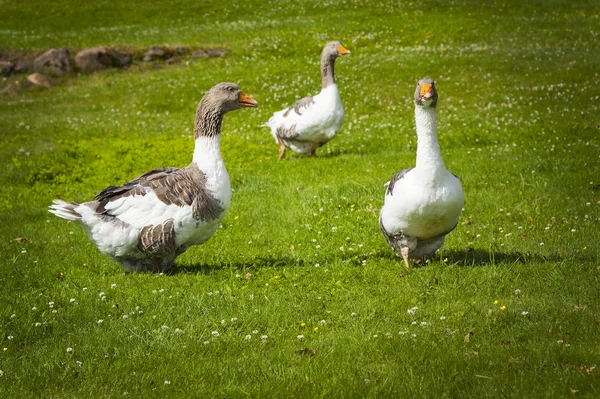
[(300, 105), (158, 240), (395, 178), (172, 186)]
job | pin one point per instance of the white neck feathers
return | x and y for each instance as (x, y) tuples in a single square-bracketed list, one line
[(428, 149)]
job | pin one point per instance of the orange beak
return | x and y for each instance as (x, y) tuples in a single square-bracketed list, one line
[(342, 50), (425, 89), (246, 100)]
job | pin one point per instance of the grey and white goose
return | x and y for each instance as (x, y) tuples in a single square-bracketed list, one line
[(146, 223), (422, 204), (312, 121)]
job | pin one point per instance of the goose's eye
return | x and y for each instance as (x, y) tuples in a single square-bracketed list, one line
[(231, 89)]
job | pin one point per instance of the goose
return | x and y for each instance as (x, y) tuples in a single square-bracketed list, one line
[(422, 204), (146, 223), (312, 121)]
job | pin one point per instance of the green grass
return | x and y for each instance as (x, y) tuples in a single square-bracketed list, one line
[(518, 121)]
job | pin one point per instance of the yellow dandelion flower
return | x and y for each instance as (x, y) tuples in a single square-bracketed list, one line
[(445, 259), (275, 277), (316, 328), (502, 307), (495, 301), (303, 324), (236, 217), (4, 349), (585, 248)]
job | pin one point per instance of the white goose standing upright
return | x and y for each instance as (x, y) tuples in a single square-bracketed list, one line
[(146, 223), (312, 121), (422, 204)]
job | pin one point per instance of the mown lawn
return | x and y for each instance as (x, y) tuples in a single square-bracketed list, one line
[(510, 308)]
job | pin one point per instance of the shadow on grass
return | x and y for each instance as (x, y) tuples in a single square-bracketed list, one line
[(241, 266), (477, 257), (468, 258)]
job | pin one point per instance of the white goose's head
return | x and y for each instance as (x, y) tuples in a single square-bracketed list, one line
[(228, 97), (426, 95), (333, 50)]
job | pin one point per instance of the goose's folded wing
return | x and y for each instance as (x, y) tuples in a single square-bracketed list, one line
[(158, 195), (395, 178)]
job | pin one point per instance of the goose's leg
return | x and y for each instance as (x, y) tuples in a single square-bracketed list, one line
[(281, 148), (155, 268), (404, 252)]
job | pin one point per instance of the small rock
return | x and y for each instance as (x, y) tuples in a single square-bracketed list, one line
[(158, 53), (6, 67), (92, 59), (24, 64), (95, 58), (121, 60), (53, 62), (39, 80), (181, 50)]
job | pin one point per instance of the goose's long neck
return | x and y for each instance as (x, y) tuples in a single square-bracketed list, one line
[(327, 71), (207, 135), (428, 150)]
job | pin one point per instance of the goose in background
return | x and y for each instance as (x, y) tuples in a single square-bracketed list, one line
[(422, 204), (312, 121), (146, 223)]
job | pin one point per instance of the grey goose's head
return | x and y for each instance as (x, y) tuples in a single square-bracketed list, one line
[(226, 97), (333, 50), (426, 95), (219, 100)]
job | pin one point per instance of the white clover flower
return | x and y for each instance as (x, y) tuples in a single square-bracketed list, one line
[(215, 334), (113, 286), (412, 310), (72, 300), (248, 337), (254, 331), (442, 317), (101, 294), (9, 337), (178, 331), (100, 321), (125, 316), (353, 314), (206, 342), (34, 308), (37, 324), (165, 327), (167, 382), (51, 304), (69, 350), (525, 313), (264, 337), (234, 319), (300, 337)]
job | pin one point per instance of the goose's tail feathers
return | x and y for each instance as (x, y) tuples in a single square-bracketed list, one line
[(65, 210)]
